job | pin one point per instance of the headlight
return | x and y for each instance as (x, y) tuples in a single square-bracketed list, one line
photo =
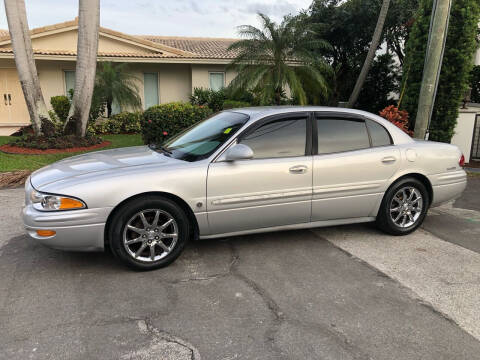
[(49, 202)]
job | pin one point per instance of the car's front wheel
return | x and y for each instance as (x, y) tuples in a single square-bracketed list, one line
[(148, 232), (403, 207)]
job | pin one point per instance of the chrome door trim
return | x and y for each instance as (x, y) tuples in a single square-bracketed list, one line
[(345, 188), (259, 197)]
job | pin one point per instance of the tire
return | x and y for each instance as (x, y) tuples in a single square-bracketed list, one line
[(162, 219), (405, 218)]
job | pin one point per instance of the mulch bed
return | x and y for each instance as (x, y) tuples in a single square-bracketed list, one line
[(13, 179), (10, 149)]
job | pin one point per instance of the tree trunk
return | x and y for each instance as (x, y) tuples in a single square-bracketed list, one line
[(377, 34), (109, 109), (25, 63), (87, 47)]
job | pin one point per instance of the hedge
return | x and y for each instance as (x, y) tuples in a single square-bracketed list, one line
[(162, 121), (231, 104), (122, 123)]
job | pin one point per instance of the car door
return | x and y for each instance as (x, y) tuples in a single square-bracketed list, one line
[(354, 158), (273, 188)]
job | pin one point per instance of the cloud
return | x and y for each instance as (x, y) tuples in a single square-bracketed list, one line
[(277, 9), (215, 18)]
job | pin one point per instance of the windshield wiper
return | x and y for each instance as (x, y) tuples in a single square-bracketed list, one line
[(163, 149)]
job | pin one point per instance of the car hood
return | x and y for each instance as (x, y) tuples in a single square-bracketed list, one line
[(99, 162)]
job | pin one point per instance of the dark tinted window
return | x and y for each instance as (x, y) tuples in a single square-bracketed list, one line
[(336, 135), (378, 134), (277, 139)]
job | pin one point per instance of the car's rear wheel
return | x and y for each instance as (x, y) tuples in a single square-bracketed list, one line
[(148, 232), (403, 207)]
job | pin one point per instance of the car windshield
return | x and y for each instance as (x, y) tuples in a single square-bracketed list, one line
[(201, 140)]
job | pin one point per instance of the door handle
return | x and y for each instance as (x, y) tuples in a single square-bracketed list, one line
[(298, 169), (5, 99), (9, 99), (389, 159)]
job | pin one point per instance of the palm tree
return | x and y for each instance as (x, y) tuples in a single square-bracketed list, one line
[(87, 48), (377, 34), (116, 85), (25, 63), (279, 56)]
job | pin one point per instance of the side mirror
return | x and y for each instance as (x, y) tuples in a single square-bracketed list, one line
[(238, 152)]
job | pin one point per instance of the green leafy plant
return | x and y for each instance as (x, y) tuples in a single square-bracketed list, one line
[(475, 84), (278, 56), (231, 104), (162, 121), (115, 84), (61, 106), (122, 123), (457, 63), (213, 99)]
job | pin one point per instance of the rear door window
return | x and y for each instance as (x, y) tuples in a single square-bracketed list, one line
[(338, 135)]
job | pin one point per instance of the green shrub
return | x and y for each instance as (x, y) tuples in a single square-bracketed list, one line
[(475, 84), (213, 99), (162, 121), (61, 106), (231, 104), (122, 123)]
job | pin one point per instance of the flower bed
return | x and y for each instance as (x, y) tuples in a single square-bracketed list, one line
[(12, 149)]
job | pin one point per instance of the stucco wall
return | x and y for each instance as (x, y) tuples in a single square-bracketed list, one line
[(200, 74), (174, 79), (67, 40), (464, 131)]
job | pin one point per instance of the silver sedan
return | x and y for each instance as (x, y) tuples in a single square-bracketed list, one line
[(239, 172)]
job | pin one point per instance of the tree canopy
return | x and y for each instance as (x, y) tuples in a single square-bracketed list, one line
[(281, 56)]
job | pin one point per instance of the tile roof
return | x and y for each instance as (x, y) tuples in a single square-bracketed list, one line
[(212, 48), (176, 47), (100, 53)]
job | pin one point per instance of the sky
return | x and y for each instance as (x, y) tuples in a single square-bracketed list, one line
[(207, 18)]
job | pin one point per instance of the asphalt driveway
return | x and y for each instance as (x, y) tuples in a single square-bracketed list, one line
[(289, 295)]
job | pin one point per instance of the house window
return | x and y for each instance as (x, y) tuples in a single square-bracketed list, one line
[(69, 80), (217, 80), (150, 89)]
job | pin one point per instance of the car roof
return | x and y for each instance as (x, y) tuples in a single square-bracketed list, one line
[(257, 112)]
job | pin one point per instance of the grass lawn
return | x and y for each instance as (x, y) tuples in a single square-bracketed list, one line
[(11, 162)]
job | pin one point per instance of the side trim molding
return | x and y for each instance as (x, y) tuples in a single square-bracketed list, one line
[(308, 225)]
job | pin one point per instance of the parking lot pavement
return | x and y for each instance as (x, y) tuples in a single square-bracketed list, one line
[(290, 295)]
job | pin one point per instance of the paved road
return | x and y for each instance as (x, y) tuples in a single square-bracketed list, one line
[(459, 223), (290, 295)]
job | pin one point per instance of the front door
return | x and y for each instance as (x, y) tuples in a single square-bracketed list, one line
[(272, 189), (13, 109), (354, 161)]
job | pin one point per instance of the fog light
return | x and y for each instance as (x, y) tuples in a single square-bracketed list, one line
[(45, 232)]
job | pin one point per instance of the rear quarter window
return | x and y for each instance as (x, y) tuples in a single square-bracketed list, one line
[(378, 134)]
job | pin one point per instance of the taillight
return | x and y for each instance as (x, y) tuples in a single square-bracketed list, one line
[(462, 161)]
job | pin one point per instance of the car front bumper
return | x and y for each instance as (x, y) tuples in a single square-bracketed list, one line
[(77, 230)]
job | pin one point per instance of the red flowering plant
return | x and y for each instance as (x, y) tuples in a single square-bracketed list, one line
[(397, 117)]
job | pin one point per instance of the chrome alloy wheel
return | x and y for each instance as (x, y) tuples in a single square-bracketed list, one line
[(150, 235), (406, 206)]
